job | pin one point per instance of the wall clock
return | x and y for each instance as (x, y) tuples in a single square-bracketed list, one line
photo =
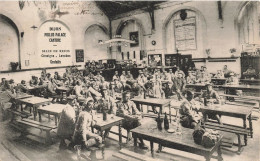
[(153, 42)]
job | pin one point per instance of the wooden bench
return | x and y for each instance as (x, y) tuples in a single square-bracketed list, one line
[(230, 129), (22, 114), (25, 123), (249, 99)]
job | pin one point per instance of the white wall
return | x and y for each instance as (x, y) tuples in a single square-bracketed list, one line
[(212, 33), (76, 15)]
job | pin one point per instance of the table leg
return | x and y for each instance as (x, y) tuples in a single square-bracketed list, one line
[(151, 146), (21, 107), (56, 120), (102, 136), (135, 140), (120, 135), (245, 136), (250, 125), (208, 157), (219, 154), (34, 113), (170, 113), (40, 116)]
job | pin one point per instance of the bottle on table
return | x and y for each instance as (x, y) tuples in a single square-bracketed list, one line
[(159, 122), (205, 101), (104, 115), (166, 122)]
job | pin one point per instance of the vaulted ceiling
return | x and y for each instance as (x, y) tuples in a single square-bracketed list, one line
[(114, 8)]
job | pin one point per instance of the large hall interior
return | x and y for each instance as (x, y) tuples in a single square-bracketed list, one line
[(129, 80)]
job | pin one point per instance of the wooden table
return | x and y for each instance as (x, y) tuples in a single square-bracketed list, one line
[(232, 111), (250, 81), (34, 102), (218, 81), (183, 142), (22, 96), (241, 87), (111, 121), (52, 109), (153, 102), (63, 90)]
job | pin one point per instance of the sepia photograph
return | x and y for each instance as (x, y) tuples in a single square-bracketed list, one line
[(129, 80)]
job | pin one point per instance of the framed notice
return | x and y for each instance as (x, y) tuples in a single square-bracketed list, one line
[(185, 34), (79, 55)]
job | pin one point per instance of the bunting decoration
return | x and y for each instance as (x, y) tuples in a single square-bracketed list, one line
[(21, 4), (53, 4)]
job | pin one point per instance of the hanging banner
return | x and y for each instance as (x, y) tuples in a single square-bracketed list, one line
[(185, 34)]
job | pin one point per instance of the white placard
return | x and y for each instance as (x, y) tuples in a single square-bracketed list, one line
[(185, 34)]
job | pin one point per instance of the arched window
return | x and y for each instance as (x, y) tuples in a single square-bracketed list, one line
[(185, 30), (131, 29), (9, 43), (248, 23), (95, 51)]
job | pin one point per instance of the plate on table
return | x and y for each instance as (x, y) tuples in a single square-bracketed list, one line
[(170, 130)]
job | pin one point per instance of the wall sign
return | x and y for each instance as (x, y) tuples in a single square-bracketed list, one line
[(185, 34), (54, 45), (79, 55)]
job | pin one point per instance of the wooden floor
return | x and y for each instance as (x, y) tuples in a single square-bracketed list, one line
[(36, 151)]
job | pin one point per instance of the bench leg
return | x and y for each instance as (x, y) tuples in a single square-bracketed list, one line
[(245, 136), (120, 135), (152, 149), (250, 125), (208, 157), (240, 148), (48, 138), (219, 154)]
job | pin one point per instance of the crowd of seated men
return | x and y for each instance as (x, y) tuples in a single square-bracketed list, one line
[(92, 92)]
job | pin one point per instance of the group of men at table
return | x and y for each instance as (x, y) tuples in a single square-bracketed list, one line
[(92, 92)]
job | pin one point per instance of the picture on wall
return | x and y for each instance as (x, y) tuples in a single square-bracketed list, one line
[(134, 37), (79, 55)]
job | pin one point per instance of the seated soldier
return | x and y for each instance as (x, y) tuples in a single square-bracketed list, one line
[(33, 82), (141, 80), (203, 78), (250, 72), (232, 80), (108, 104), (3, 84), (190, 78), (116, 76), (129, 76), (66, 124), (123, 78), (58, 77), (179, 85), (188, 111), (220, 74), (82, 134), (22, 87), (78, 89), (211, 97), (132, 117), (99, 76), (179, 71)]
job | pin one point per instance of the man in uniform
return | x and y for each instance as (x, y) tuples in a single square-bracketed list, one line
[(83, 135), (212, 97), (132, 117), (67, 122)]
